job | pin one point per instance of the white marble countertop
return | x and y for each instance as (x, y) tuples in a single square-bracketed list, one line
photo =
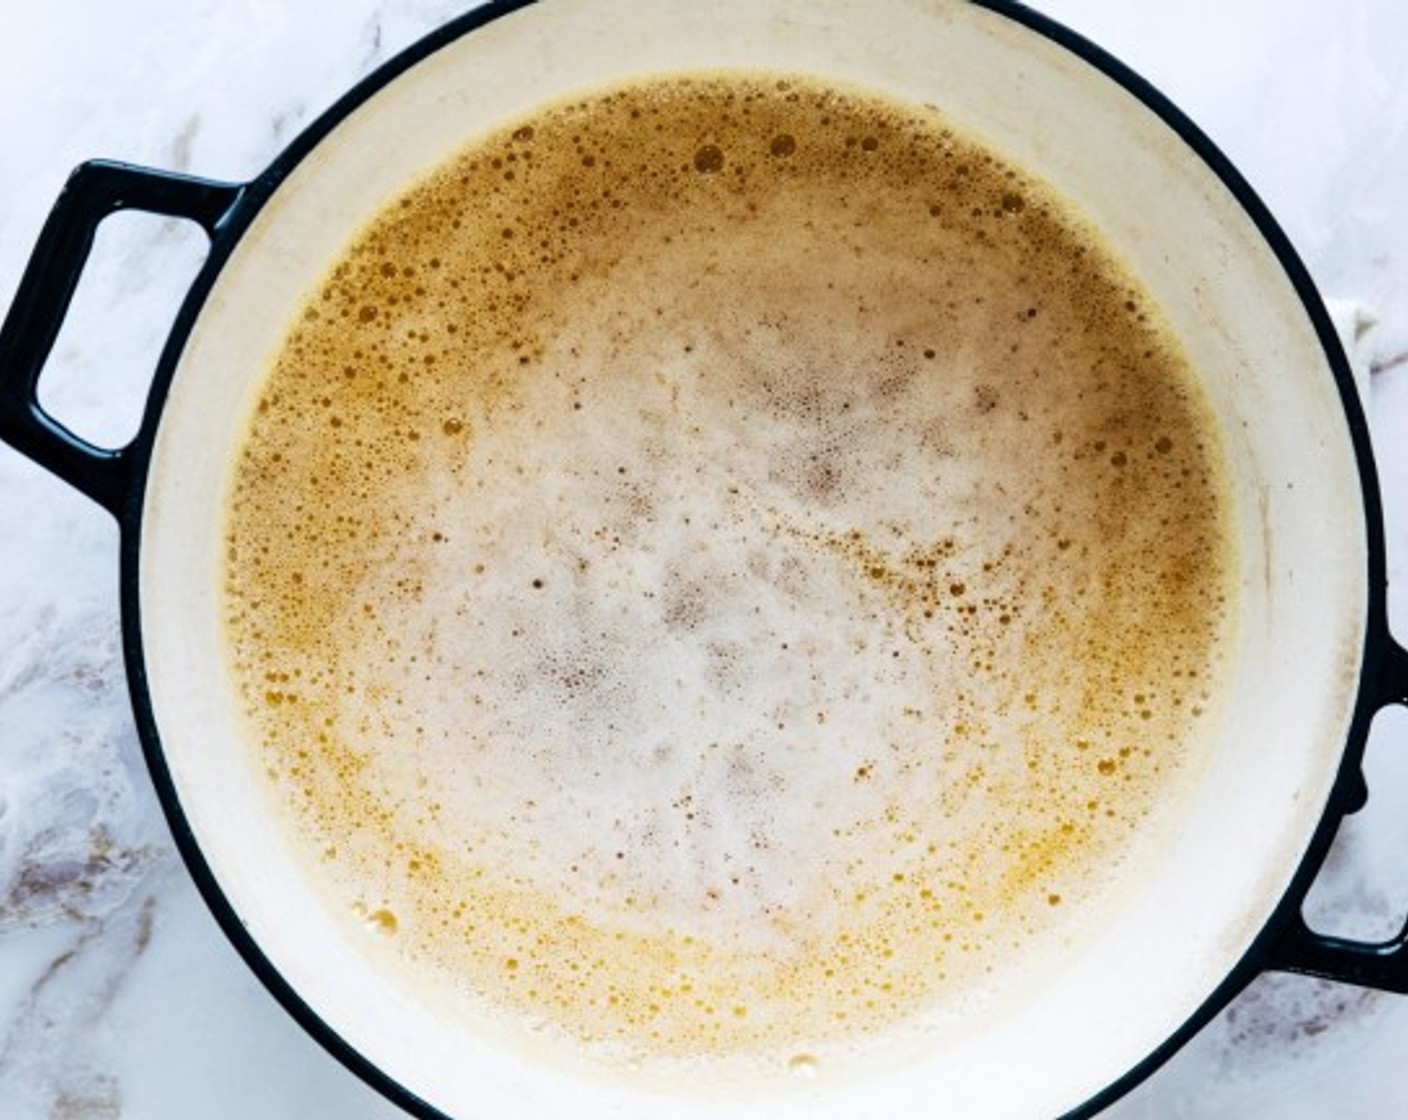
[(118, 995)]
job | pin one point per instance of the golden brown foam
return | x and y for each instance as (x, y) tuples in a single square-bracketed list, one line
[(724, 565)]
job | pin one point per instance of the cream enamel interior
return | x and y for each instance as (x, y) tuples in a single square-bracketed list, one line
[(1300, 524)]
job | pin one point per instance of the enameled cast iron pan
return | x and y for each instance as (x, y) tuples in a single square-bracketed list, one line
[(1315, 661)]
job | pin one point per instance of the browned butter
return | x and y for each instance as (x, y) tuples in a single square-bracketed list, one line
[(724, 566)]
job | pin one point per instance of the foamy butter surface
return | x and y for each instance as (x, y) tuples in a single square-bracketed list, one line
[(722, 567)]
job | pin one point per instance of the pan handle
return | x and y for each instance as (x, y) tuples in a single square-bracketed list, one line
[(1298, 948), (94, 191)]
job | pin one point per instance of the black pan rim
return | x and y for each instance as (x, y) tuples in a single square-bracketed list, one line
[(1344, 796)]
